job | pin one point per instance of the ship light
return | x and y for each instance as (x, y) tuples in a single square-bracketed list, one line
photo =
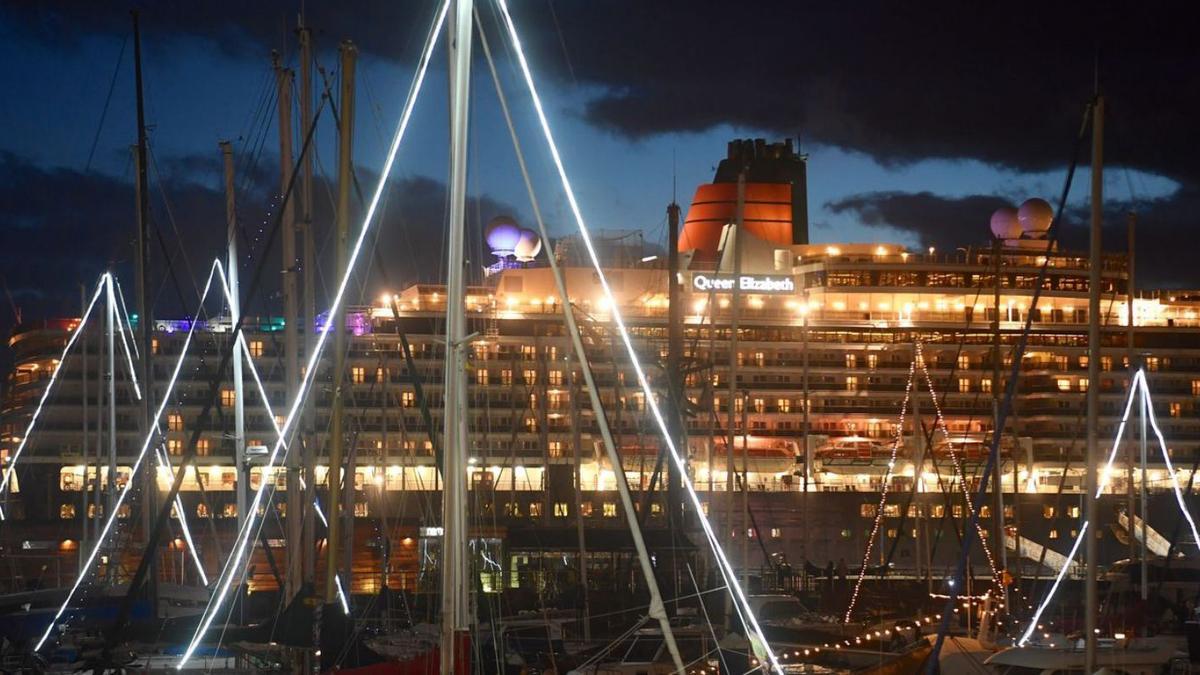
[(832, 250), (511, 301), (699, 305), (880, 251), (839, 305)]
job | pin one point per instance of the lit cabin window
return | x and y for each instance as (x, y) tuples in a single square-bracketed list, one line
[(358, 374), (174, 422), (256, 348), (66, 511), (228, 398), (529, 375), (202, 447), (481, 377), (964, 384), (1064, 384), (174, 446), (561, 510), (408, 399), (535, 509), (610, 509)]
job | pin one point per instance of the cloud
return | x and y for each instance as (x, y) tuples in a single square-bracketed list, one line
[(951, 222), (1003, 83), (62, 228)]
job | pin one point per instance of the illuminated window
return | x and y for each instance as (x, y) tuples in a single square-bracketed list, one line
[(716, 379), (124, 511), (202, 510), (1106, 363), (739, 404), (153, 345), (776, 533), (964, 361), (985, 511), (174, 422), (985, 385), (561, 510), (555, 449), (531, 425), (750, 533), (891, 533), (964, 384), (554, 400), (380, 374), (585, 509), (851, 383), (202, 447), (1073, 511), (1083, 384), (66, 511), (1083, 361), (1047, 512), (872, 361), (1152, 363), (506, 377), (1064, 384), (358, 374), (1054, 534), (759, 405), (535, 509), (256, 348), (556, 378), (529, 375), (229, 510), (481, 377), (1176, 409), (610, 509), (408, 399), (866, 510), (957, 510), (533, 401), (360, 510), (228, 398), (760, 359), (1195, 387), (784, 405), (174, 446), (528, 352), (851, 361)]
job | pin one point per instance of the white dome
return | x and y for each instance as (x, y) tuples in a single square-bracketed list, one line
[(528, 247), (1036, 215), (1005, 224)]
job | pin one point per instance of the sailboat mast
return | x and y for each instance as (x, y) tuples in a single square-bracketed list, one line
[(145, 321), (341, 240), (308, 537), (291, 356), (998, 523), (235, 311), (454, 434), (1093, 391)]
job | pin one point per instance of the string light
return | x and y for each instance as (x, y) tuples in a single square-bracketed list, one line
[(940, 421), (887, 479), (124, 492), (37, 412), (226, 580), (160, 457), (725, 567)]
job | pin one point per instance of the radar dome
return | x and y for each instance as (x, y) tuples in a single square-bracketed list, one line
[(1005, 224), (502, 235), (1035, 215), (528, 246)]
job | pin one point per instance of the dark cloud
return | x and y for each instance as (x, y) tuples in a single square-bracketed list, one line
[(1003, 82), (950, 222), (60, 228)]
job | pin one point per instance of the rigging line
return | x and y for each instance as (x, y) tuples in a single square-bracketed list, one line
[(726, 566), (112, 517), (187, 263), (62, 361), (310, 370), (159, 454), (210, 401), (112, 85), (1011, 386)]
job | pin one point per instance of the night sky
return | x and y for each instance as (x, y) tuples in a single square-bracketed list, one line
[(919, 121)]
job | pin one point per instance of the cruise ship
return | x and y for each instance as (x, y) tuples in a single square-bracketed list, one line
[(796, 362)]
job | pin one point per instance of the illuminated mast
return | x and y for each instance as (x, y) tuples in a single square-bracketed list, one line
[(454, 435)]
